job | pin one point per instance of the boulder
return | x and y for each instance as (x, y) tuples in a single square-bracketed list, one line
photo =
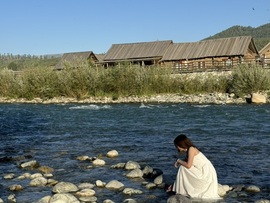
[(136, 173), (64, 187), (130, 165), (131, 191), (29, 164), (99, 183), (99, 162), (115, 185), (64, 198), (178, 199), (39, 181), (158, 180), (86, 193), (258, 98), (112, 154), (45, 199), (253, 188)]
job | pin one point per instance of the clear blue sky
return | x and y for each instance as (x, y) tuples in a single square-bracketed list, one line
[(40, 27)]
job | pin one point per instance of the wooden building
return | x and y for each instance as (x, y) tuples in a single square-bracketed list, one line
[(265, 54), (77, 59), (143, 53), (225, 52)]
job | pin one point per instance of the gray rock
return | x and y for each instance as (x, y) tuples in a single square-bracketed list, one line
[(115, 185), (112, 154), (9, 176), (129, 201), (64, 198), (130, 165), (253, 188), (45, 199), (29, 164), (150, 185), (108, 201), (147, 170), (64, 187), (86, 193), (99, 162), (15, 187), (39, 181), (131, 191), (178, 199), (136, 173), (12, 198), (86, 186), (119, 165), (158, 180), (88, 199), (262, 201), (258, 98)]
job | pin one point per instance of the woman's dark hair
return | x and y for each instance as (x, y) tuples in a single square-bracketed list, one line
[(184, 142)]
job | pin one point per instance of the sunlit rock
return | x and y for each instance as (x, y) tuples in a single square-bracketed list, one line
[(258, 98), (130, 165), (15, 187), (158, 180), (131, 191), (64, 187), (115, 185), (136, 173), (112, 154), (29, 164), (39, 181), (64, 198), (99, 162)]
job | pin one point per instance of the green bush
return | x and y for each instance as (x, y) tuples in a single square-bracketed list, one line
[(125, 80), (249, 78)]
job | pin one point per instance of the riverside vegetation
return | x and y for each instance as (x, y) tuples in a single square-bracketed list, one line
[(127, 81)]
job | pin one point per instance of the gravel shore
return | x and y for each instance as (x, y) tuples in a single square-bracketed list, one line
[(212, 98)]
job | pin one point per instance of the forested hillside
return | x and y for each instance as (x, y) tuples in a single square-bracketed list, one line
[(261, 34)]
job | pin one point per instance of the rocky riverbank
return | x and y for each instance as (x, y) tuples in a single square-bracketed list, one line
[(212, 98), (42, 178)]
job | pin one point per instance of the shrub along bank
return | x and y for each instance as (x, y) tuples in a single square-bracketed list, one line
[(84, 82)]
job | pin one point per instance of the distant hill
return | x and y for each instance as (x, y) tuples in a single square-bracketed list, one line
[(261, 34)]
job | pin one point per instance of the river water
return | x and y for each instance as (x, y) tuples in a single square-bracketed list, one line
[(234, 137)]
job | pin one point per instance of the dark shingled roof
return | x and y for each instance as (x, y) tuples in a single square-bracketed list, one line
[(234, 46), (137, 51)]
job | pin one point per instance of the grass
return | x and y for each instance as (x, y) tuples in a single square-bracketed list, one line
[(87, 81)]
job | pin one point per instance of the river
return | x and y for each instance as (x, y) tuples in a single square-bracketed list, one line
[(234, 137)]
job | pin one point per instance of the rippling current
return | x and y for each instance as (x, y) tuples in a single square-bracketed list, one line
[(234, 137)]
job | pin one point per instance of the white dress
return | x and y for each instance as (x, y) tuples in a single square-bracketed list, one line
[(199, 181)]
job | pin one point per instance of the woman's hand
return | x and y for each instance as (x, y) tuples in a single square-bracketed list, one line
[(177, 163)]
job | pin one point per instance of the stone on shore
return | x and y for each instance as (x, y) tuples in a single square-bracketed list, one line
[(64, 187), (158, 180), (258, 98), (29, 164), (136, 173), (39, 181), (131, 191), (45, 199), (64, 198), (99, 183), (130, 165), (86, 193), (112, 154), (178, 199), (115, 185), (253, 188), (99, 162)]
